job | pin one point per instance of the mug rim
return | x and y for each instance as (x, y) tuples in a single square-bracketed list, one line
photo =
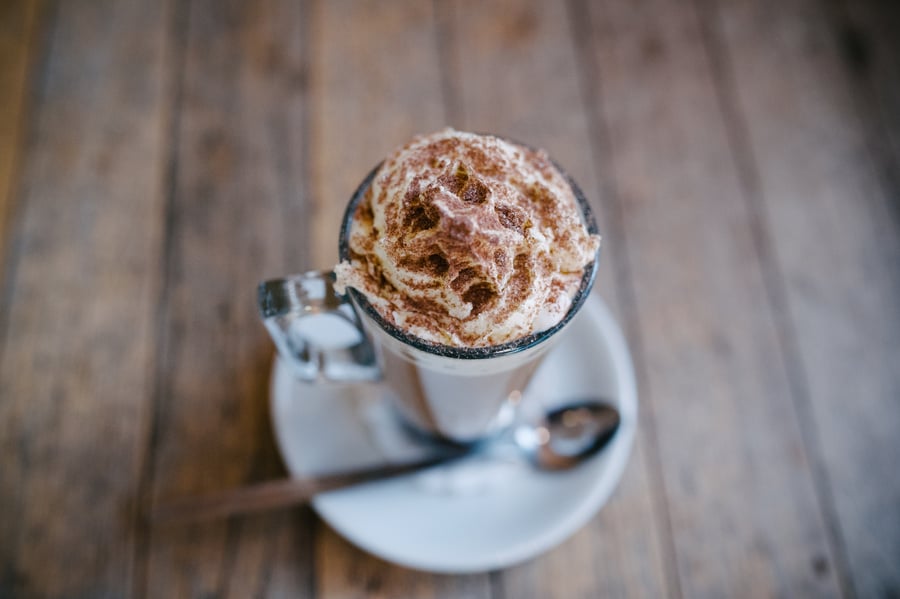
[(472, 353)]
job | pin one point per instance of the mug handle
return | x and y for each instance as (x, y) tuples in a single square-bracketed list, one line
[(333, 347)]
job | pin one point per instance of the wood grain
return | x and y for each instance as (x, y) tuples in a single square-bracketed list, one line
[(78, 314), (836, 250), (158, 159), (516, 73), (235, 215), (19, 24), (742, 502), (376, 82)]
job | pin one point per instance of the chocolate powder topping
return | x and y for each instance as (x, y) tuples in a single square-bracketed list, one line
[(468, 240)]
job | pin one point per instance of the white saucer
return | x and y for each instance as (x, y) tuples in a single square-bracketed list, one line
[(484, 513)]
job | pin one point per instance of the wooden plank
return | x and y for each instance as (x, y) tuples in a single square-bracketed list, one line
[(344, 571), (19, 22), (816, 174), (516, 73), (744, 511), (78, 311), (236, 217), (376, 82)]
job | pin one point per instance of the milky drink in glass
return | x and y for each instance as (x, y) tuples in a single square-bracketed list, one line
[(462, 258)]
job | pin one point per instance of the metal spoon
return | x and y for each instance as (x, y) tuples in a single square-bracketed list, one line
[(568, 435), (561, 439)]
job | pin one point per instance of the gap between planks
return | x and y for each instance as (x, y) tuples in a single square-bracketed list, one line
[(177, 44)]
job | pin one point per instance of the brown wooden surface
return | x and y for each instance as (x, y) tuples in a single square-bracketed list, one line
[(839, 323), (19, 20), (157, 159)]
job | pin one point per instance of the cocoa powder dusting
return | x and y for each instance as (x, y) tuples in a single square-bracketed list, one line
[(461, 235)]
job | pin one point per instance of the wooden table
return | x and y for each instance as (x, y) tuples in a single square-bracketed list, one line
[(158, 158)]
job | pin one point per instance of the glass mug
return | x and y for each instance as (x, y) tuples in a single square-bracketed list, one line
[(456, 394)]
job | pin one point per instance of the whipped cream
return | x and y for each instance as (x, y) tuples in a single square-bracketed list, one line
[(468, 240)]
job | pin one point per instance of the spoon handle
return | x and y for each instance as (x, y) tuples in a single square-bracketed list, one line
[(277, 493)]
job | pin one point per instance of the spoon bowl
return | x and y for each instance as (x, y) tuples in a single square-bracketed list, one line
[(570, 434)]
